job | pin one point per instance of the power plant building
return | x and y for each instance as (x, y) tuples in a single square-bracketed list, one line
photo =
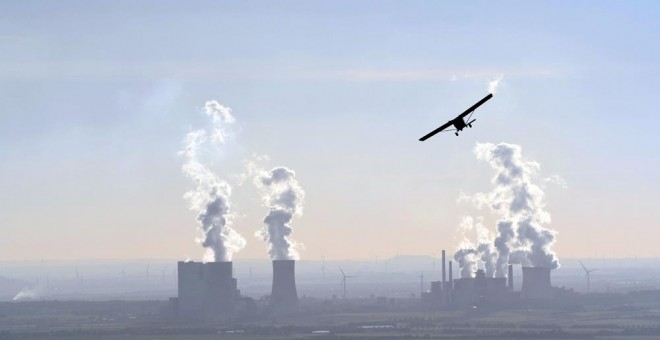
[(536, 283), (479, 288), (470, 290), (205, 289)]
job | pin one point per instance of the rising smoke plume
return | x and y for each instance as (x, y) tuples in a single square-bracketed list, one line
[(29, 294), (210, 197), (521, 237), (284, 197), (469, 253)]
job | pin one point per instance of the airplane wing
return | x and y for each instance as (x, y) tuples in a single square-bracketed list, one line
[(475, 106), (430, 134), (461, 116)]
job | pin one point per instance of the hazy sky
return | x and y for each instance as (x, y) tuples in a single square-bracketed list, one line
[(96, 98)]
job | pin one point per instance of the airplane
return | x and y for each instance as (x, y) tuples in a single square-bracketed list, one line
[(459, 122)]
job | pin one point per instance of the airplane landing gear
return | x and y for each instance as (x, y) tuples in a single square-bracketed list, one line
[(456, 133)]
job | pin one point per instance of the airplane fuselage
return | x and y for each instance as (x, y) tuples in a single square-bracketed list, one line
[(459, 124)]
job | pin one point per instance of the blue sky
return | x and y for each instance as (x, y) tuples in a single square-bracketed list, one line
[(95, 98)]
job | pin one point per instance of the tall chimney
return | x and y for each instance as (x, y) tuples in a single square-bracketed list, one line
[(444, 279), (451, 281), (510, 277), (284, 294)]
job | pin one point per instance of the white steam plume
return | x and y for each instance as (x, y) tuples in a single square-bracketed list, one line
[(284, 197), (468, 254), (467, 260), (517, 199), (220, 116), (29, 294), (493, 84), (210, 197)]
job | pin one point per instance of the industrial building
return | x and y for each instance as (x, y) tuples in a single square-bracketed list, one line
[(536, 284), (441, 291), (205, 289), (478, 289), (208, 290)]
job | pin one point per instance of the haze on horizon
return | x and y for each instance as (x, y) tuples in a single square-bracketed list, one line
[(95, 101)]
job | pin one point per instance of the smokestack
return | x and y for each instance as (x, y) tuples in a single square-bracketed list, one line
[(510, 277), (284, 294), (450, 294), (451, 280), (536, 283), (444, 280)]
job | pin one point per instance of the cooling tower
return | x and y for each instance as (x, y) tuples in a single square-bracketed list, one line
[(284, 294), (536, 283)]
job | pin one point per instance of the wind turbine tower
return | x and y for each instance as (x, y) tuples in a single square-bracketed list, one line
[(587, 272), (343, 280), (323, 267)]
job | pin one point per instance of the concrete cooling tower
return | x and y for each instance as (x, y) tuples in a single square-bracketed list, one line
[(284, 294), (536, 283)]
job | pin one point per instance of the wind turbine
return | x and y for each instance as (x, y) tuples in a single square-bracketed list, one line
[(163, 271), (343, 279), (123, 275), (323, 267), (587, 271)]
